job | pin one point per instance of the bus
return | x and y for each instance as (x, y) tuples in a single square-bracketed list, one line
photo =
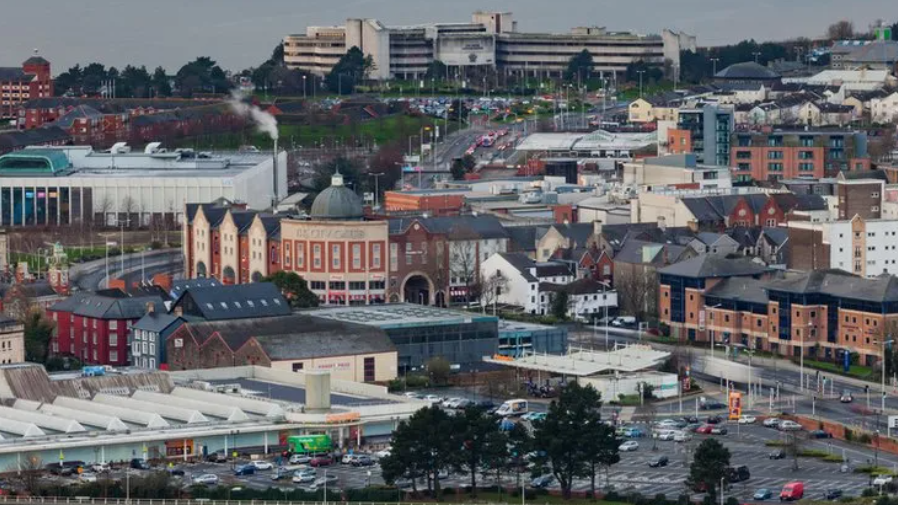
[(309, 444)]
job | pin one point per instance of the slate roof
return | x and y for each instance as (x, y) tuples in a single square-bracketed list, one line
[(298, 336), (744, 289), (552, 269), (157, 322), (180, 285), (113, 105), (841, 284), (524, 238), (745, 236), (100, 306), (634, 251), (18, 139), (747, 70), (81, 112), (239, 301), (776, 236), (578, 233), (13, 74), (718, 208), (579, 287), (483, 227), (710, 266), (36, 60), (272, 226), (522, 263)]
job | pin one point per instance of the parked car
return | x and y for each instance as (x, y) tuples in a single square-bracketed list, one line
[(771, 422), (87, 477), (832, 494), (718, 429), (99, 467), (714, 420), (846, 397), (432, 399), (208, 479), (705, 429), (658, 461), (329, 479), (176, 471), (304, 476), (682, 436), (667, 435), (882, 480), (777, 454), (281, 473), (139, 464), (363, 460), (631, 432), (300, 459), (217, 457), (792, 491), (412, 395), (738, 474), (763, 494), (322, 460), (542, 481), (244, 470), (261, 464), (672, 424), (347, 459), (624, 321), (628, 446), (747, 420), (382, 453), (787, 425), (820, 434), (712, 405), (690, 419)]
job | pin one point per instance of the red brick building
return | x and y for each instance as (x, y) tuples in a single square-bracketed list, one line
[(797, 154), (94, 327), (435, 202), (18, 85)]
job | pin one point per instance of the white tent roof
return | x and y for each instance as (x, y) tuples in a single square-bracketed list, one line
[(228, 412), (166, 411), (43, 420), (26, 404), (108, 423), (262, 408), (585, 362), (20, 428), (139, 417)]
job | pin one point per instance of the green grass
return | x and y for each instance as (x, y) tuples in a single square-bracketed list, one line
[(775, 443), (859, 371), (874, 470), (647, 90)]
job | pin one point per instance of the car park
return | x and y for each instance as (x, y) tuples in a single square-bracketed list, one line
[(304, 476), (787, 425), (244, 470), (628, 446), (300, 459), (771, 422), (281, 473), (329, 479), (762, 494), (747, 419), (262, 465), (718, 429), (777, 454), (820, 434), (682, 436), (363, 460), (658, 461), (208, 479)]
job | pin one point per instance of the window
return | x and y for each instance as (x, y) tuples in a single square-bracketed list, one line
[(774, 155), (357, 286), (113, 341), (338, 285), (774, 141), (805, 155), (113, 355), (805, 167), (300, 255), (806, 141), (357, 256), (775, 167), (113, 324), (152, 362), (317, 285), (335, 256), (288, 261), (375, 255), (394, 257), (153, 349), (316, 256), (743, 155)]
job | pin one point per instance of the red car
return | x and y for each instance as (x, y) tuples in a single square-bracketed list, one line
[(705, 429), (322, 460)]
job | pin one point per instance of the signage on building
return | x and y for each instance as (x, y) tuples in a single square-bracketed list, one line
[(339, 365), (735, 405), (325, 233), (346, 417)]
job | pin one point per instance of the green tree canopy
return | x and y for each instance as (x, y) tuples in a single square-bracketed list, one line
[(481, 443), (650, 73), (579, 66), (38, 332), (560, 301), (202, 75), (161, 83), (351, 69), (709, 465), (349, 168), (294, 288), (422, 444)]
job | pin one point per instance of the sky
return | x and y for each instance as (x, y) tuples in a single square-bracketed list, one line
[(241, 33)]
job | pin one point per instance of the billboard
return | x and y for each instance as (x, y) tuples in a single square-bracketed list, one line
[(735, 405), (466, 49)]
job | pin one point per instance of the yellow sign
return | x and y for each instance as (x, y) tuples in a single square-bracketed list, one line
[(735, 405)]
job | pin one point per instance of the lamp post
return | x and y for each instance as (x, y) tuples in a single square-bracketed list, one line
[(107, 262), (303, 87), (376, 187), (714, 66), (890, 341), (711, 332), (640, 72)]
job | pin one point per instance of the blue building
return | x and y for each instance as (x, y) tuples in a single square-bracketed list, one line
[(517, 339)]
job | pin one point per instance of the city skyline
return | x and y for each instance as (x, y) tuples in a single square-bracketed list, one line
[(239, 35)]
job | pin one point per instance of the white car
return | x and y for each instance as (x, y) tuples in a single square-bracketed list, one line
[(433, 399), (771, 422), (87, 477), (261, 464), (382, 454), (414, 396), (100, 467), (304, 476), (787, 425), (450, 403), (882, 480), (747, 420), (209, 479), (667, 435), (629, 445), (682, 436), (300, 459)]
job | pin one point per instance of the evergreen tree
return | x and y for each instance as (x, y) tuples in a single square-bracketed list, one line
[(294, 288), (580, 66), (709, 465)]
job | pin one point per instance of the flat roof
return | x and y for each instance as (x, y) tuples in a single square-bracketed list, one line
[(581, 362), (398, 315), (259, 389)]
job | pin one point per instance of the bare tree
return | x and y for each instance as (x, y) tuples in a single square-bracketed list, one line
[(795, 445), (29, 473), (492, 288), (129, 207), (104, 206), (840, 30), (637, 289), (463, 264)]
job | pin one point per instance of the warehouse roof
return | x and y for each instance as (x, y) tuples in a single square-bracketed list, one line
[(216, 303), (397, 315), (712, 265), (100, 306)]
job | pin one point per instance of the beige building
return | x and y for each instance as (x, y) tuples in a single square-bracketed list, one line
[(12, 341), (351, 367), (643, 110), (681, 170)]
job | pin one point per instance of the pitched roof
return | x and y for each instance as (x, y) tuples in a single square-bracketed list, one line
[(582, 286), (157, 322), (552, 269), (483, 226), (105, 306), (12, 74), (239, 301), (578, 233), (180, 285), (776, 236), (840, 283), (297, 336), (709, 266), (744, 289), (17, 139), (81, 112), (522, 263), (747, 70), (524, 238)]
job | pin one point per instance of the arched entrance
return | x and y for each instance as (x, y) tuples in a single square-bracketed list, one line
[(200, 269), (417, 288), (228, 276), (440, 299), (257, 276)]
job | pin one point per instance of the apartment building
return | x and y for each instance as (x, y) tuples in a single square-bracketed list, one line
[(12, 341), (709, 129), (797, 154), (490, 39), (20, 84), (864, 247)]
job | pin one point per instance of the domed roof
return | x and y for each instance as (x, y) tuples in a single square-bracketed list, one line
[(337, 202), (747, 70)]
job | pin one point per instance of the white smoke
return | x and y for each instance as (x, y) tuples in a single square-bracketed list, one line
[(264, 121)]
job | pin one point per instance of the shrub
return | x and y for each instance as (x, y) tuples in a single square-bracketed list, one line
[(868, 492), (684, 499), (660, 499), (864, 438), (732, 501)]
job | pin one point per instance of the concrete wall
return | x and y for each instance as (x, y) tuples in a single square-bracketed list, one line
[(347, 368)]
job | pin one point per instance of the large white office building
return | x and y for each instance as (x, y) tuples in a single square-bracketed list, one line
[(60, 186), (490, 39)]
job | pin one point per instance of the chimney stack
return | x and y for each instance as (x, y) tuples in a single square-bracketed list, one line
[(151, 307)]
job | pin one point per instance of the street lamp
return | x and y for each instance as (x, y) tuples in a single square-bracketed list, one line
[(711, 332), (884, 343), (640, 72), (303, 87), (107, 262), (714, 63)]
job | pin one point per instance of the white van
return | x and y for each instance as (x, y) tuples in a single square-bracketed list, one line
[(512, 408)]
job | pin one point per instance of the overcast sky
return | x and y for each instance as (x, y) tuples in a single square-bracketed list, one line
[(241, 33)]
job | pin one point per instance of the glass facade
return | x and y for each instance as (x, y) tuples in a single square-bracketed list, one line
[(45, 205), (461, 343)]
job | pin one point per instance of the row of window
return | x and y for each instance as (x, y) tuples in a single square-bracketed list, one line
[(336, 256), (341, 285)]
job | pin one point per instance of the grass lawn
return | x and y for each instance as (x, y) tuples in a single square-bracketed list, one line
[(859, 371)]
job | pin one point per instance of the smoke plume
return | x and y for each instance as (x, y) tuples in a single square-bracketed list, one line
[(264, 121)]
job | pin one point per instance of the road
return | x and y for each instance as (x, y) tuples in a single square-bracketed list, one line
[(90, 276)]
